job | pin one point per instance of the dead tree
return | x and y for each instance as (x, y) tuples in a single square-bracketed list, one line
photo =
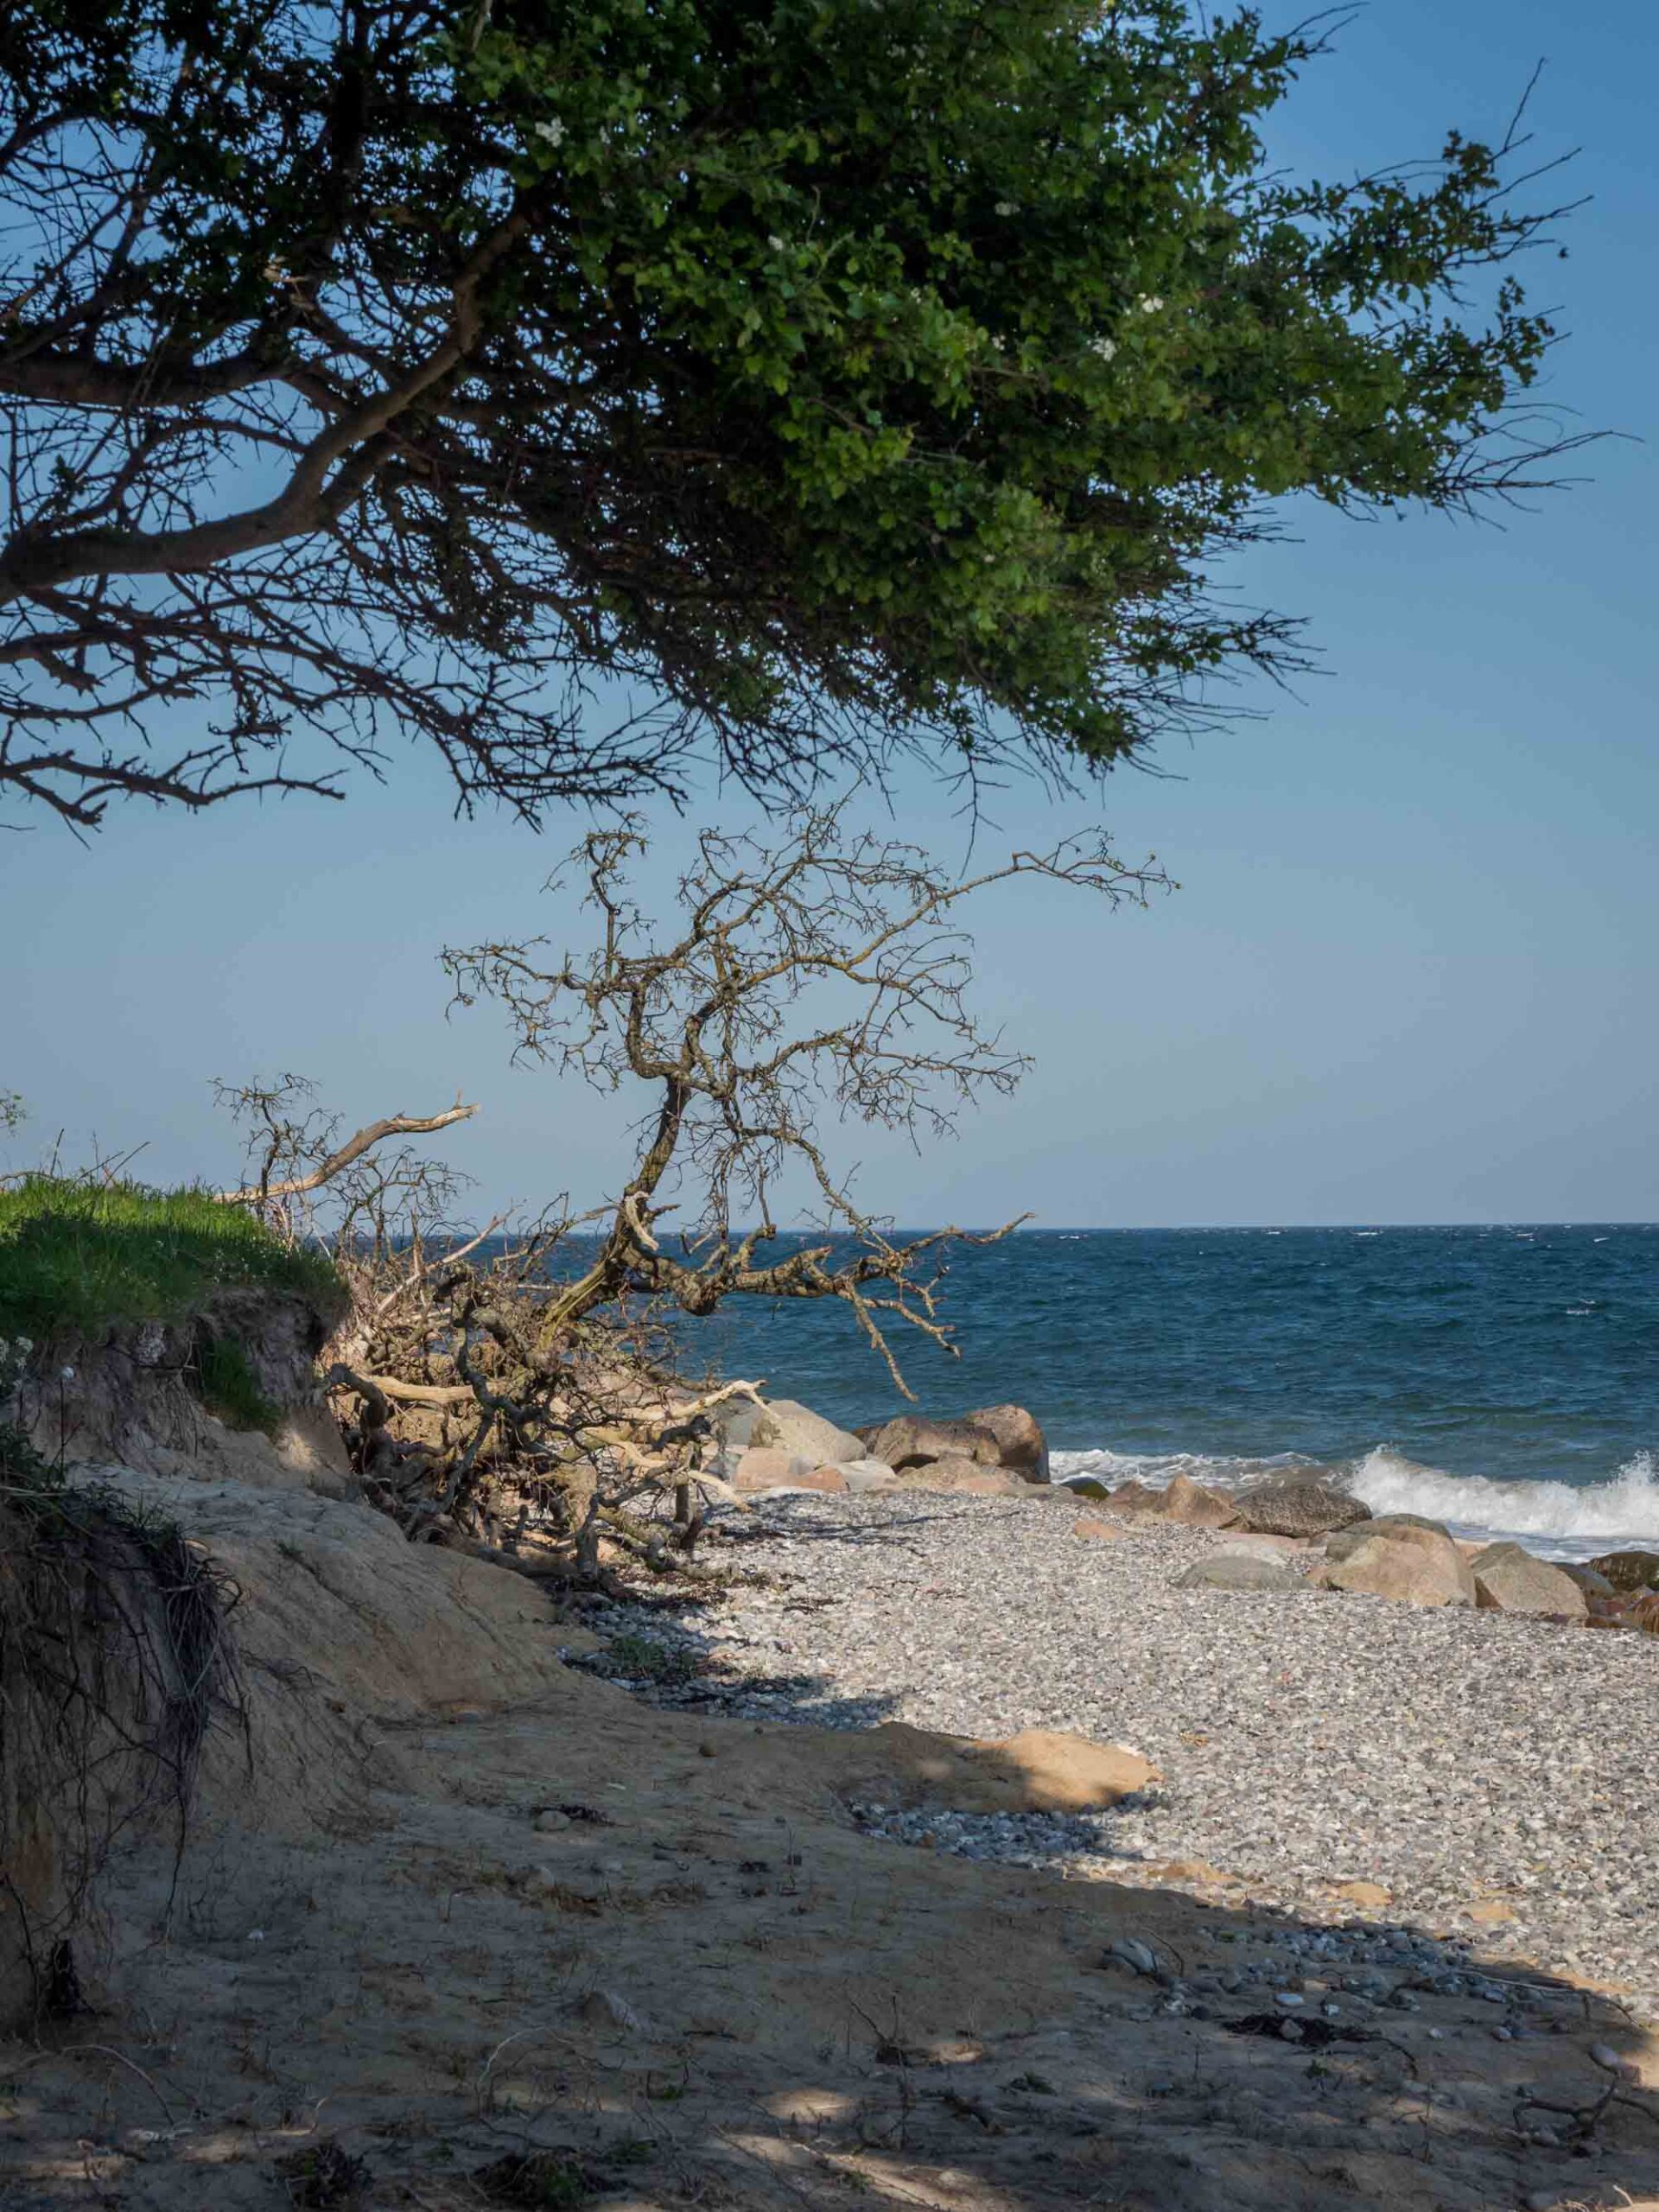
[(831, 973), (535, 1374)]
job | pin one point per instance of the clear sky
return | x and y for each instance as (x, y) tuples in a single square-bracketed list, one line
[(1409, 976)]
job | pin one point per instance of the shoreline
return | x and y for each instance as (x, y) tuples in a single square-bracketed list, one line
[(1487, 1776), (1563, 1522)]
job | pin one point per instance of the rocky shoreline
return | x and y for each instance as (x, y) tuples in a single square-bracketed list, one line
[(1448, 1771)]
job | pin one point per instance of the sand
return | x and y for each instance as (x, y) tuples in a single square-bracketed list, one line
[(473, 1905)]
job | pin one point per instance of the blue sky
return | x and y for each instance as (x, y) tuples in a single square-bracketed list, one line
[(1409, 976)]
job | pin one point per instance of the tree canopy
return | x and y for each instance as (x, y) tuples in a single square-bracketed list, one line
[(824, 375)]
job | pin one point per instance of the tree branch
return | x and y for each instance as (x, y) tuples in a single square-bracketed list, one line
[(394, 1125)]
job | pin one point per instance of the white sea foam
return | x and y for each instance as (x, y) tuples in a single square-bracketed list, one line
[(1155, 1468), (1560, 1520), (1573, 1517)]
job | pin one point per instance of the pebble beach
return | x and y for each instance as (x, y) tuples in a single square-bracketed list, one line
[(1488, 1779)]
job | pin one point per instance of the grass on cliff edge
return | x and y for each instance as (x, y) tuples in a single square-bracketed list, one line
[(83, 1257)]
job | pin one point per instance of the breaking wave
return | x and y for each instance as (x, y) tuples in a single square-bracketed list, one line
[(1561, 1520), (1626, 1507)]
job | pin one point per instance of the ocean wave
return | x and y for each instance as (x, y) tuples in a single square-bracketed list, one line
[(1628, 1506), (1155, 1468), (1562, 1520)]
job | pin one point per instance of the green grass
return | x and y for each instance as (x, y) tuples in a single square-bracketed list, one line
[(227, 1385), (80, 1256), (639, 1655)]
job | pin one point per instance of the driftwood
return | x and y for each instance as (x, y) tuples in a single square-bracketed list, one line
[(392, 1387)]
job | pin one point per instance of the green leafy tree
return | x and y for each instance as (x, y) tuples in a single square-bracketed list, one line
[(842, 374)]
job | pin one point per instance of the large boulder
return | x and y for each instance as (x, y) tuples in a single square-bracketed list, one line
[(1236, 1570), (1629, 1570), (914, 1440), (1510, 1580), (1192, 1506), (763, 1468), (1412, 1566), (824, 1479), (1019, 1438), (863, 1476), (1303, 1504), (786, 1425), (1402, 1527), (1592, 1584)]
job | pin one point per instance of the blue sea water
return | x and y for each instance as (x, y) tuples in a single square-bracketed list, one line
[(1502, 1377)]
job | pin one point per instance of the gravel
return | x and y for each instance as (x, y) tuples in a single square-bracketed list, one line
[(1455, 1758)]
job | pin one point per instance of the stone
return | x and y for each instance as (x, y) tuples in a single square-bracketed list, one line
[(1491, 1912), (1606, 1613), (960, 1475), (786, 1425), (1134, 1497), (1020, 1439), (1610, 2061), (762, 1468), (1309, 1504), (1400, 1528), (1629, 1570), (1510, 1580), (1139, 1957), (1234, 1570), (1245, 1546), (1410, 1521), (866, 1474), (1084, 1486), (1093, 1529), (830, 1479), (1192, 1506), (1592, 1584), (734, 1421), (913, 1441), (1410, 1566)]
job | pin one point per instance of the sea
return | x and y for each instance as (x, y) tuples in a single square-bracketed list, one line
[(1503, 1379)]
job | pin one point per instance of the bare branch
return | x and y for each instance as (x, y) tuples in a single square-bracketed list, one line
[(830, 972), (353, 1149)]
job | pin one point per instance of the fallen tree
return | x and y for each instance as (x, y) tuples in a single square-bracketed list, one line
[(527, 1379)]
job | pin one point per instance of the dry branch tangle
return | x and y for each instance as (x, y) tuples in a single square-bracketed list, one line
[(833, 970)]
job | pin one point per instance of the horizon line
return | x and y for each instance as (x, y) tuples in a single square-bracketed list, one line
[(1189, 1228)]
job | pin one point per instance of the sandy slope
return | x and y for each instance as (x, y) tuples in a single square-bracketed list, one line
[(702, 1980)]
